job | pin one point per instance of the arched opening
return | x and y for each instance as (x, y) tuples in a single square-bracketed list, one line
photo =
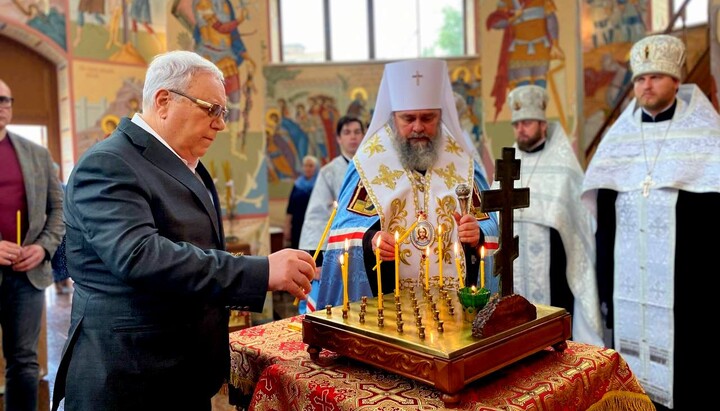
[(36, 73), (33, 80)]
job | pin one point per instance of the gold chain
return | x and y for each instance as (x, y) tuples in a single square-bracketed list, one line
[(421, 183), (657, 154), (648, 181), (522, 157)]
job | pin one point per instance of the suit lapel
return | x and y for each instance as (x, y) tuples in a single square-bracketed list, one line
[(155, 152), (30, 176), (210, 184)]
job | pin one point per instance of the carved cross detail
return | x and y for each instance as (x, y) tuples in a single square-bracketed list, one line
[(505, 200), (417, 77)]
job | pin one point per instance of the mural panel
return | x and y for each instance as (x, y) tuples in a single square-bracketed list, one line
[(122, 31), (529, 42), (47, 17), (609, 29), (231, 34), (105, 94)]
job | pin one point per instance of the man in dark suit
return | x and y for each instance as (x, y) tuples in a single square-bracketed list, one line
[(31, 226), (149, 323)]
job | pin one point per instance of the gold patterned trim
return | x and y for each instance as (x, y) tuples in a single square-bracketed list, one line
[(360, 202), (450, 176), (477, 205), (370, 193), (387, 177), (373, 146), (452, 146)]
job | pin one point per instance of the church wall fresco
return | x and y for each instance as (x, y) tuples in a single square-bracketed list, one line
[(542, 50), (130, 32), (237, 157), (608, 28)]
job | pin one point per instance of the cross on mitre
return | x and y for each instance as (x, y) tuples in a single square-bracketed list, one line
[(505, 200), (417, 76)]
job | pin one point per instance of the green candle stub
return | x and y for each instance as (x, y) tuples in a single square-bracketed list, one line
[(472, 300)]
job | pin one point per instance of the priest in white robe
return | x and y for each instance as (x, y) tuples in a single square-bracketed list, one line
[(556, 262), (654, 184)]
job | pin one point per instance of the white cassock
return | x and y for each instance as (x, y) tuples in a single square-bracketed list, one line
[(555, 178)]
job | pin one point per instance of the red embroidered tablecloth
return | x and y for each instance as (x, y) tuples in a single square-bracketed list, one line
[(270, 364)]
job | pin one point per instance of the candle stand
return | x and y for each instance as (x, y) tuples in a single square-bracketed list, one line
[(427, 339)]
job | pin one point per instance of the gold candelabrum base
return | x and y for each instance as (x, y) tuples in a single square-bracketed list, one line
[(425, 335), (419, 312)]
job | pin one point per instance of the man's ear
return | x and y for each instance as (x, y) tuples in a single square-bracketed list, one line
[(161, 99)]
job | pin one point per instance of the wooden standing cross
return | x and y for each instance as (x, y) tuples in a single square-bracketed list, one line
[(505, 200)]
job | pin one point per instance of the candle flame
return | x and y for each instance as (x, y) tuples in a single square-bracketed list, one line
[(335, 204), (482, 252), (342, 260), (455, 246), (427, 251), (346, 244), (377, 245), (396, 236), (473, 289)]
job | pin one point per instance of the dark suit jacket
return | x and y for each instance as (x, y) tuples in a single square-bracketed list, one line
[(44, 199), (152, 286)]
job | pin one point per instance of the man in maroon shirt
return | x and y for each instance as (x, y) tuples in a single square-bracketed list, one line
[(31, 198)]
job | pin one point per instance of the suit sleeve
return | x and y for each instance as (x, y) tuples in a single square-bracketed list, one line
[(54, 228)]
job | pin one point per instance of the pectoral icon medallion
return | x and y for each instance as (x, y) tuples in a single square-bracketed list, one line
[(422, 235)]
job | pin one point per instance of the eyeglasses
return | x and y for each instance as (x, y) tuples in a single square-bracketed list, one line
[(6, 101), (213, 110)]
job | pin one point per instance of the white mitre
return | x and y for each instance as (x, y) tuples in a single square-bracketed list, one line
[(418, 84), (661, 53), (528, 103)]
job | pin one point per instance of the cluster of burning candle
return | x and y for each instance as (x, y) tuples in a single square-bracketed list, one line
[(426, 261), (345, 262)]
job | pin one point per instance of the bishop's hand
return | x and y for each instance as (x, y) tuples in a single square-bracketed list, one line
[(468, 229)]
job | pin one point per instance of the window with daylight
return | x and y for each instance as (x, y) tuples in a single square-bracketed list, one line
[(696, 13), (316, 31)]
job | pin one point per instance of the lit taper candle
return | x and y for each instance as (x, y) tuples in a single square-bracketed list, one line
[(482, 267), (397, 264), (346, 263), (440, 254), (17, 217), (379, 275), (458, 268)]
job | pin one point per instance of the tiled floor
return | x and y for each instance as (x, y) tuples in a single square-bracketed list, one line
[(58, 322)]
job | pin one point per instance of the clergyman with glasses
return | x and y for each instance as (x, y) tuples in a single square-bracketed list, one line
[(149, 322)]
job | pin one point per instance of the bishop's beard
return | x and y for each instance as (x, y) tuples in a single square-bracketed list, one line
[(417, 151)]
